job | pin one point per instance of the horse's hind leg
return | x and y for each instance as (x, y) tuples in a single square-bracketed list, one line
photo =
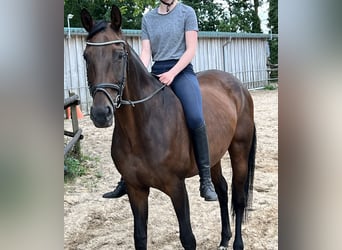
[(221, 189), (240, 152), (240, 171), (180, 201)]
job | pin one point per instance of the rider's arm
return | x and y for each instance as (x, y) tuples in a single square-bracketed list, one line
[(146, 53)]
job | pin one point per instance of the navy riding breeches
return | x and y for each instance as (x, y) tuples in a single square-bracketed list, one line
[(186, 87)]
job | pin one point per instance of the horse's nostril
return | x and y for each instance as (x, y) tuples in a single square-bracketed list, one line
[(108, 109), (108, 113)]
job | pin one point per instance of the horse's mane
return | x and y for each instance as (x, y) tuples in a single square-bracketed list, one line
[(98, 26)]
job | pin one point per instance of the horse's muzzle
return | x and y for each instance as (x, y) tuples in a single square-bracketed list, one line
[(102, 117)]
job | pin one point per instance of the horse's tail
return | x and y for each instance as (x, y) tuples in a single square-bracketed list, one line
[(248, 189), (251, 168)]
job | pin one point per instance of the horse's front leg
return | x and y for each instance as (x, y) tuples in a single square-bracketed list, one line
[(138, 198), (180, 201)]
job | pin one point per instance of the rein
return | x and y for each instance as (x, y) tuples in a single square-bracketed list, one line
[(117, 86)]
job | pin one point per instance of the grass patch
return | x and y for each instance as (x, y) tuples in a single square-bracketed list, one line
[(270, 87), (77, 165)]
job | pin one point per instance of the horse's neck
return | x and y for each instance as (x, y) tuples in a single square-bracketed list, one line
[(136, 126), (139, 85), (139, 80)]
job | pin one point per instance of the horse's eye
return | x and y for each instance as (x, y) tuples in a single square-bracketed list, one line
[(118, 55)]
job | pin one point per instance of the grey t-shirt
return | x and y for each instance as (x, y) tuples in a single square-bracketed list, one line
[(166, 32)]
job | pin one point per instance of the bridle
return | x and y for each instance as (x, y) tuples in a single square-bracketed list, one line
[(119, 85)]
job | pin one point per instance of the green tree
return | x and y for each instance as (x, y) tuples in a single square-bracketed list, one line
[(132, 11), (211, 16), (273, 25), (256, 24), (242, 16)]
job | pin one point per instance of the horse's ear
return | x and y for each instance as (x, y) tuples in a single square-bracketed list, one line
[(87, 20), (116, 18)]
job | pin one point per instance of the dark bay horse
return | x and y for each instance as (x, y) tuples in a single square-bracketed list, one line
[(151, 146)]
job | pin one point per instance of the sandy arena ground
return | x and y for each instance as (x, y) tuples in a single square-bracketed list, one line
[(91, 222)]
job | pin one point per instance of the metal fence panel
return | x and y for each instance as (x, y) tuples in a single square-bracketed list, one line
[(243, 56)]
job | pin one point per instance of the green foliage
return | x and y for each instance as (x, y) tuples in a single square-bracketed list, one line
[(273, 25), (270, 87), (73, 167), (211, 16), (273, 16), (77, 165), (256, 23), (274, 51), (132, 11), (241, 16)]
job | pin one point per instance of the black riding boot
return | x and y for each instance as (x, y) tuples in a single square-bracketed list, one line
[(201, 150), (119, 191)]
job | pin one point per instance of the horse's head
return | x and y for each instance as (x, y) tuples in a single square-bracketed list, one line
[(106, 61)]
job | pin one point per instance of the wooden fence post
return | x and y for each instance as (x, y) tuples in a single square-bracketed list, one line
[(76, 133)]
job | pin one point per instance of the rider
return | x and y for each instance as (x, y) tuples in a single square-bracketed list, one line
[(172, 55)]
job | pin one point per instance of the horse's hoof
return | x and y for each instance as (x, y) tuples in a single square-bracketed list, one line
[(222, 248)]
